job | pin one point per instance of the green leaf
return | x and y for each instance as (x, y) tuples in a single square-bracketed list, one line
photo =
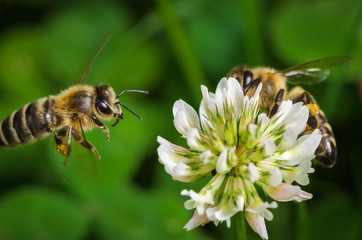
[(332, 214), (20, 72), (40, 214), (143, 215), (306, 30), (73, 37)]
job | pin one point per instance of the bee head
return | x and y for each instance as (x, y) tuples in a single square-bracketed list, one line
[(237, 72), (106, 102)]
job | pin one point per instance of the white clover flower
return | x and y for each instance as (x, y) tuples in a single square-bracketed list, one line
[(242, 149)]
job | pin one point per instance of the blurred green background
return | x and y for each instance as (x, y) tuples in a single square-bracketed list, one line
[(168, 48)]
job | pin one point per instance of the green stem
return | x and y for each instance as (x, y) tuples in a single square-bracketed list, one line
[(182, 46), (239, 227), (252, 13), (303, 222)]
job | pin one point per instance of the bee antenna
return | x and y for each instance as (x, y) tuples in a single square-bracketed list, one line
[(129, 110), (104, 43), (138, 91)]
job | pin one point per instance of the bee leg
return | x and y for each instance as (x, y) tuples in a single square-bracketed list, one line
[(63, 146), (278, 99), (307, 99), (83, 141), (114, 124), (101, 125), (253, 84)]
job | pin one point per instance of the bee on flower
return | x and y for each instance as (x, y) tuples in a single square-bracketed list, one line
[(240, 148)]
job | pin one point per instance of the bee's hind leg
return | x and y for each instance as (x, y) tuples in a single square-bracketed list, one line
[(62, 145), (101, 125), (297, 94)]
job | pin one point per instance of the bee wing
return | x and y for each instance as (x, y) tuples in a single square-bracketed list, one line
[(315, 71), (84, 164)]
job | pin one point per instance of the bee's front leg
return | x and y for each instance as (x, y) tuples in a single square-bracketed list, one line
[(101, 125), (83, 141), (85, 144), (278, 99)]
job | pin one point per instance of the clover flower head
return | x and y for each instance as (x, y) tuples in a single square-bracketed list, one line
[(240, 149)]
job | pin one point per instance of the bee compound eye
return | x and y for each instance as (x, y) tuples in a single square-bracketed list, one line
[(248, 77), (103, 107)]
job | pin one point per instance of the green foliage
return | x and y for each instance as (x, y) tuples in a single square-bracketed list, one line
[(168, 48), (35, 213)]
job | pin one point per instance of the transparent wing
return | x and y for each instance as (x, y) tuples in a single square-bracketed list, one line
[(83, 164), (315, 71)]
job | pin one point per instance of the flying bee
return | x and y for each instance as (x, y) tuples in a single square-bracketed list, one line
[(68, 114), (275, 90)]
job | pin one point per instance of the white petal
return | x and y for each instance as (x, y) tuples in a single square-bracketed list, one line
[(285, 192), (252, 129), (170, 146), (177, 165), (263, 121), (190, 204), (210, 213), (258, 206), (282, 113), (220, 93), (274, 178), (185, 192), (257, 223), (252, 104), (254, 172), (167, 156), (240, 202), (185, 117), (297, 117), (196, 221), (205, 95), (204, 103), (181, 122), (228, 223), (305, 148), (268, 215), (303, 180), (226, 211), (299, 172), (288, 140), (303, 196), (207, 197), (181, 170), (193, 138), (206, 157), (236, 94), (222, 166), (181, 105), (269, 146), (223, 84), (258, 89)]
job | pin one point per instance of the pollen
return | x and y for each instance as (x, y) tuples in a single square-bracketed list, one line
[(313, 109)]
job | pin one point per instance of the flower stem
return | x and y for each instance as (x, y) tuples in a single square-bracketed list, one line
[(252, 15), (182, 46), (303, 223), (239, 227)]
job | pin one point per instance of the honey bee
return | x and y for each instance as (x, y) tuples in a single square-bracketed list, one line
[(275, 90), (68, 114)]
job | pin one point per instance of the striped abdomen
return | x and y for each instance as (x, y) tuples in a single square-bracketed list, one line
[(326, 152), (27, 124)]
